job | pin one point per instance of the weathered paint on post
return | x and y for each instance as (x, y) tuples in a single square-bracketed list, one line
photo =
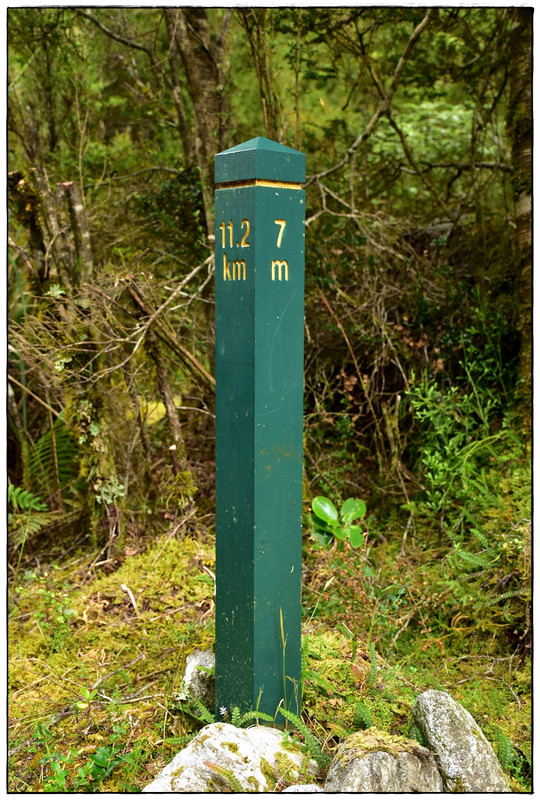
[(260, 213)]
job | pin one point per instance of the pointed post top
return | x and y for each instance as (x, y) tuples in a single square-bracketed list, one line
[(260, 159)]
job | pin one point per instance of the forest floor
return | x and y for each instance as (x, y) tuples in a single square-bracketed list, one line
[(97, 653)]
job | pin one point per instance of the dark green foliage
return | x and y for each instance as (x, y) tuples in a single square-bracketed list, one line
[(53, 460), (23, 500), (505, 751), (322, 759), (363, 716)]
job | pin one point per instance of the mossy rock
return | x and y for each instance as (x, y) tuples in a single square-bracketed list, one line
[(373, 740)]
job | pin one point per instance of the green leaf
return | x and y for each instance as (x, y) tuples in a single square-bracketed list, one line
[(356, 537), (325, 510), (353, 509), (323, 538), (320, 526), (102, 756)]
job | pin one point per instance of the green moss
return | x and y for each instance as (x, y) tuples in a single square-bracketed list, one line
[(269, 774), (233, 747), (106, 643), (176, 774), (287, 769), (373, 741)]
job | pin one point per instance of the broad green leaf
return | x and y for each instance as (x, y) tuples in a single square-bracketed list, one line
[(321, 525), (101, 757), (353, 509), (323, 538), (356, 537), (325, 510), (340, 533)]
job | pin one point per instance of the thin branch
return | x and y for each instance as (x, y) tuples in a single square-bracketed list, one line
[(460, 165), (182, 351), (25, 389), (119, 38), (421, 174), (131, 175), (385, 104), (22, 253), (355, 362)]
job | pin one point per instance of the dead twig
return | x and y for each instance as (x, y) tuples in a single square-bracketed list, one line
[(172, 533)]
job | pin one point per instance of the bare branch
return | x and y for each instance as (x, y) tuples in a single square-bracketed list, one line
[(119, 38), (384, 106)]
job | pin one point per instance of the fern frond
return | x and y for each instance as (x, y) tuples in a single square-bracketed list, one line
[(53, 460), (416, 733), (505, 749), (482, 539), (316, 678), (204, 713), (507, 595), (256, 715), (322, 759), (338, 729), (196, 708), (362, 716), (236, 717), (473, 559), (228, 774), (23, 526), (179, 741), (23, 500)]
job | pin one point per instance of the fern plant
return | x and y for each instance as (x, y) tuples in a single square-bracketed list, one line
[(195, 708), (23, 500), (27, 515), (53, 460), (362, 717), (322, 759), (228, 774)]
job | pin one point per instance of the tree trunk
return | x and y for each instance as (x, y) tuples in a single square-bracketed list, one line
[(201, 62), (519, 124)]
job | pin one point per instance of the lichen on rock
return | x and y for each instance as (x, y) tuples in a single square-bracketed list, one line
[(466, 760), (254, 756), (375, 761)]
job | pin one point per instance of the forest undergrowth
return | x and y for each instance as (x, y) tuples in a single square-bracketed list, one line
[(97, 646), (417, 129)]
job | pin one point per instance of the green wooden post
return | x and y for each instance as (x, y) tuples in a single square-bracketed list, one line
[(260, 233)]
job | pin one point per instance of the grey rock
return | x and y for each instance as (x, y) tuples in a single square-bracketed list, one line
[(466, 760), (198, 681), (257, 758), (302, 787), (374, 761)]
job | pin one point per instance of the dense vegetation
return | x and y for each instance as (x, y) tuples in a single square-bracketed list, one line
[(417, 128)]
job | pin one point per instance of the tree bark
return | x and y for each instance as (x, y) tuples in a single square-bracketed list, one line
[(519, 123), (201, 63), (59, 234)]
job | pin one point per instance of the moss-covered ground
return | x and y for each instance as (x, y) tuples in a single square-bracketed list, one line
[(96, 658)]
